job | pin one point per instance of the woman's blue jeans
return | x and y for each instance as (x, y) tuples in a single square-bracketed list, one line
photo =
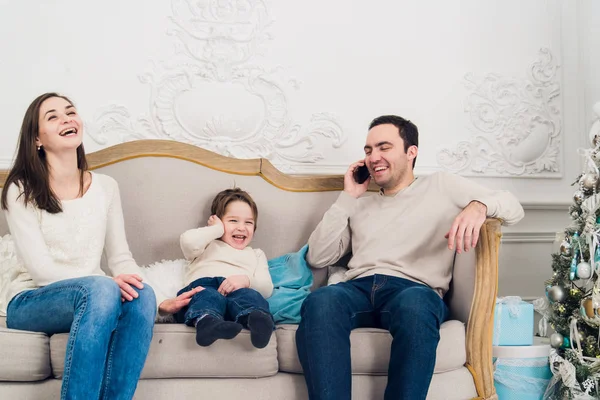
[(411, 312), (108, 339)]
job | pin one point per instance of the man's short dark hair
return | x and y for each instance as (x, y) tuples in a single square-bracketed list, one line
[(407, 130)]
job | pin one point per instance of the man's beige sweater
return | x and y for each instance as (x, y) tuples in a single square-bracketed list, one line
[(403, 235)]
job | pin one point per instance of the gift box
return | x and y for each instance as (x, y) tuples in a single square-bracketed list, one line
[(513, 322), (521, 372)]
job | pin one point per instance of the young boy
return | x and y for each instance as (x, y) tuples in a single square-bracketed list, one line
[(235, 277)]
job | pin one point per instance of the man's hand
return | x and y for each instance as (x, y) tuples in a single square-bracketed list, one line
[(233, 283), (171, 306), (350, 186), (214, 220), (464, 232), (125, 282)]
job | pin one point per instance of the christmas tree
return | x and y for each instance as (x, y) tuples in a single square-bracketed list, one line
[(572, 303)]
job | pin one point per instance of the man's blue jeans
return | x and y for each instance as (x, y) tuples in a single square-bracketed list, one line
[(108, 339), (411, 312), (232, 307)]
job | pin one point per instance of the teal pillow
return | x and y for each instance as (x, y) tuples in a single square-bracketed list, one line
[(292, 280)]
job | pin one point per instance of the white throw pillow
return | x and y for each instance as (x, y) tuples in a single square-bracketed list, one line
[(166, 276)]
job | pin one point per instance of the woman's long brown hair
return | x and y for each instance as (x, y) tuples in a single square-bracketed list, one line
[(30, 170)]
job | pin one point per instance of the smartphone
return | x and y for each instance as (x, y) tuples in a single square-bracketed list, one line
[(361, 174)]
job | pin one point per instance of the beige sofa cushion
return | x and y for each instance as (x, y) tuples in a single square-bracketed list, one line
[(454, 385), (370, 350), (175, 354), (24, 356)]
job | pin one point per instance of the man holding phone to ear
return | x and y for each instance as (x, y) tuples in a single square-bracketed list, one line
[(402, 241)]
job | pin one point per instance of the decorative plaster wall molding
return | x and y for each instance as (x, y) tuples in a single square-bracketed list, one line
[(560, 206), (528, 237), (516, 122), (211, 95)]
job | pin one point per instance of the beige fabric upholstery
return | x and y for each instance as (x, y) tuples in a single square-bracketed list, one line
[(3, 223), (282, 386), (24, 356), (177, 196), (370, 349), (462, 286), (175, 354)]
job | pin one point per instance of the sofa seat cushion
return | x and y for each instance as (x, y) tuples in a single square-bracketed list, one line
[(24, 356), (175, 354), (370, 349)]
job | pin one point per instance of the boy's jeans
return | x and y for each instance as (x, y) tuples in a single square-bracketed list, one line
[(108, 339), (411, 312), (231, 307)]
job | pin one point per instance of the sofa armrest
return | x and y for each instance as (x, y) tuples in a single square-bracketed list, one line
[(481, 317)]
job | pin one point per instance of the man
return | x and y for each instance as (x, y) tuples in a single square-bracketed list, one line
[(402, 242)]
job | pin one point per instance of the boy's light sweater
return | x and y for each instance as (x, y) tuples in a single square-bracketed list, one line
[(69, 244), (210, 257), (403, 235)]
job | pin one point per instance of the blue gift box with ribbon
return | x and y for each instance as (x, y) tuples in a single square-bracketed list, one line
[(513, 322)]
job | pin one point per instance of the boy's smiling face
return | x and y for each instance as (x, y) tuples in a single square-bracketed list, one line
[(238, 222)]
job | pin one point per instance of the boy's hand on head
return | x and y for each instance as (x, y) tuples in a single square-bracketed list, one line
[(233, 283), (214, 220)]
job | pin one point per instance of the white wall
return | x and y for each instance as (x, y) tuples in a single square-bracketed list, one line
[(498, 88), (589, 33)]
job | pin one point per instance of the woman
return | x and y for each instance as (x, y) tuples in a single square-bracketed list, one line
[(62, 217)]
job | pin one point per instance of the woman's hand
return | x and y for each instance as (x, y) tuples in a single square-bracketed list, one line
[(172, 306), (125, 282), (233, 283)]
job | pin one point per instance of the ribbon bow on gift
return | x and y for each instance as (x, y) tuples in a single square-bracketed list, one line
[(514, 311), (542, 307), (512, 302)]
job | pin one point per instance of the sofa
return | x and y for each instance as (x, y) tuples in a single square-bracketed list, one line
[(166, 188)]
